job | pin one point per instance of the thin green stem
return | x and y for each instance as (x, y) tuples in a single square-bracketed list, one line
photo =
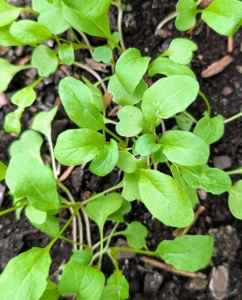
[(189, 116), (52, 154), (145, 252), (33, 85), (201, 94), (101, 248), (6, 211), (235, 172), (65, 189), (72, 242), (233, 117), (120, 19), (108, 238), (30, 11), (114, 135)]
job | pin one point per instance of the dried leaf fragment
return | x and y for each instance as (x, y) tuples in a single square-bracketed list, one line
[(217, 66)]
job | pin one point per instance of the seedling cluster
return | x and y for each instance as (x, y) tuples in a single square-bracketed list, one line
[(139, 145)]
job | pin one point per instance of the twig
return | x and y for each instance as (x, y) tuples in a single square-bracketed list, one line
[(157, 264), (164, 21), (66, 173), (230, 44)]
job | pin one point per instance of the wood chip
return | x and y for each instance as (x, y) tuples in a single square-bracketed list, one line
[(217, 66), (108, 97)]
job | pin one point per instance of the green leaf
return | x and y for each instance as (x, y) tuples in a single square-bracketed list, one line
[(51, 292), (81, 256), (188, 252), (44, 60), (78, 146), (184, 122), (50, 226), (106, 160), (102, 53), (66, 54), (121, 96), (235, 201), (164, 198), (117, 216), (100, 208), (35, 215), (187, 11), (130, 68), (128, 163), (51, 15), (165, 66), (92, 9), (159, 156), (29, 32), (180, 51), (117, 279), (29, 143), (7, 39), (135, 234), (211, 180), (27, 177), (210, 129), (3, 169), (78, 103), (223, 16), (130, 121), (96, 27), (97, 95), (168, 96), (8, 13), (24, 97), (7, 72), (111, 292), (87, 283), (29, 271), (12, 123), (42, 121), (184, 148), (146, 144), (131, 186)]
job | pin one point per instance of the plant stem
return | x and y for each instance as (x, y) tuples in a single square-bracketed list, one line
[(52, 154), (145, 252), (114, 135), (201, 94), (30, 11), (189, 116), (6, 211), (233, 117), (235, 172), (120, 19)]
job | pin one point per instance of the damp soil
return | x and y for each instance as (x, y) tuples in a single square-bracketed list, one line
[(224, 91)]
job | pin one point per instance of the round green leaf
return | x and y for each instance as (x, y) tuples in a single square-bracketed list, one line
[(187, 11), (35, 215), (146, 144), (102, 53), (66, 54), (128, 163), (12, 123), (135, 234), (24, 97), (235, 201), (8, 13)]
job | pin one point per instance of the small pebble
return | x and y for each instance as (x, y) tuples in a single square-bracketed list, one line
[(222, 162), (219, 281), (196, 284), (152, 282)]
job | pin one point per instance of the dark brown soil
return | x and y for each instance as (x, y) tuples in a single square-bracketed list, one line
[(139, 26)]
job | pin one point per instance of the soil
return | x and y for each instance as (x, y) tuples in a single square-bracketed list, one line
[(224, 91)]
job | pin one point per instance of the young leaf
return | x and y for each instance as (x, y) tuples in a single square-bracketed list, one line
[(130, 68), (168, 96), (27, 177), (96, 27), (66, 54), (159, 156), (12, 123), (100, 208), (121, 96), (164, 198), (29, 32), (211, 180), (117, 216), (210, 129), (87, 283), (3, 169), (97, 95), (78, 146), (51, 15), (135, 234), (180, 51), (117, 279), (44, 60), (7, 39), (51, 291), (42, 121), (130, 121), (106, 160), (8, 13), (78, 103), (184, 148), (165, 66), (189, 252), (35, 215), (146, 144), (111, 292), (186, 18), (29, 143), (235, 205), (128, 163), (102, 53), (50, 226), (89, 10), (223, 16), (81, 256), (131, 186), (183, 122), (29, 271), (7, 72), (24, 97)]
